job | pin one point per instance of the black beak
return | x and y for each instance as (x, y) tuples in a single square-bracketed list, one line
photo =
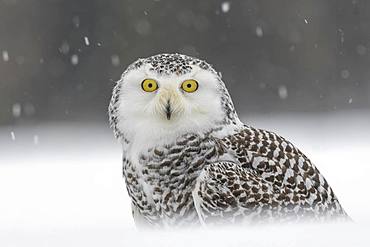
[(168, 111)]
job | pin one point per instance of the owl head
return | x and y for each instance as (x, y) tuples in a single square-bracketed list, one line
[(169, 94)]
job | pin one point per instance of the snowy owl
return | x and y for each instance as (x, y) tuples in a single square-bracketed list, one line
[(189, 160)]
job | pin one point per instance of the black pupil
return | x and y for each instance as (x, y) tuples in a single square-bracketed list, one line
[(188, 85), (150, 85)]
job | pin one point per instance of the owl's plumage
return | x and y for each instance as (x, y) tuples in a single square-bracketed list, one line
[(188, 159)]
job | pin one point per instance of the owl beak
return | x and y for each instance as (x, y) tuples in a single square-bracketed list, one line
[(168, 110), (169, 105)]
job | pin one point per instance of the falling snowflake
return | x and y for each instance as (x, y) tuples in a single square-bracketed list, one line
[(115, 60), (345, 74), (74, 59), (16, 110), (225, 7), (259, 31), (12, 135), (361, 50), (64, 48), (341, 33), (35, 139), (143, 27), (5, 56), (87, 42), (76, 21), (262, 85), (283, 92)]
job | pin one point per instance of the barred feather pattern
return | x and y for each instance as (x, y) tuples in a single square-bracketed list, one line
[(170, 172), (267, 180)]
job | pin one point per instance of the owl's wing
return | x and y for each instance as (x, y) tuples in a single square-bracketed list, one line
[(226, 192), (268, 178)]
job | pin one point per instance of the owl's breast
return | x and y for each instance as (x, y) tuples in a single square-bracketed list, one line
[(161, 182)]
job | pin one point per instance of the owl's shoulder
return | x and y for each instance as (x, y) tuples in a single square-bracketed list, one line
[(277, 161)]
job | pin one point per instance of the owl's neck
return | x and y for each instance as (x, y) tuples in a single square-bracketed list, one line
[(142, 136)]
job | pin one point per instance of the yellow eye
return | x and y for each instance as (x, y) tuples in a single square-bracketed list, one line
[(189, 86), (149, 85)]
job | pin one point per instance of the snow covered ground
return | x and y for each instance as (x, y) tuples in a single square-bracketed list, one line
[(61, 185)]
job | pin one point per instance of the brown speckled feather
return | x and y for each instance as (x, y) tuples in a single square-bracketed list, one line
[(268, 180)]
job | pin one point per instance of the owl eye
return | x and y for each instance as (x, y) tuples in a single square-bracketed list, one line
[(149, 85), (189, 86)]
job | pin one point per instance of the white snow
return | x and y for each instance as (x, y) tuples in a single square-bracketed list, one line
[(68, 190)]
